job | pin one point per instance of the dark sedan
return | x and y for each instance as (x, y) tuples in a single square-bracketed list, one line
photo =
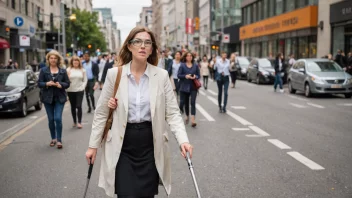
[(243, 64), (18, 91), (261, 70)]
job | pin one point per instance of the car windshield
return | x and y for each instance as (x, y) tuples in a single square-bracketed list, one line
[(264, 63), (324, 67), (12, 79), (243, 62)]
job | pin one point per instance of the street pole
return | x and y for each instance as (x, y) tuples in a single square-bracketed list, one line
[(59, 40), (63, 29), (186, 28), (222, 25)]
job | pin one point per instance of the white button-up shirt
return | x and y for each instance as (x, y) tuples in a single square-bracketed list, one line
[(223, 66), (138, 99)]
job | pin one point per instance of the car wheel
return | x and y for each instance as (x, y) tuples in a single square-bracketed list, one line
[(38, 106), (291, 90), (307, 91), (248, 78), (257, 80), (23, 112), (348, 95)]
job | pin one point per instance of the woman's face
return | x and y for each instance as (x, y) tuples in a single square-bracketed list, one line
[(141, 46), (189, 57), (75, 63), (177, 56), (204, 58), (53, 60), (233, 57)]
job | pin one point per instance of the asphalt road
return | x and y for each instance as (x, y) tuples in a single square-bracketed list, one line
[(267, 145)]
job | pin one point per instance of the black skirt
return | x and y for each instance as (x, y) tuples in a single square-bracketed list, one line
[(136, 173)]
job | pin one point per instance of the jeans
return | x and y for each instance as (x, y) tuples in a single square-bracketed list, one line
[(233, 77), (90, 93), (76, 105), (54, 113), (205, 81), (185, 101), (177, 85), (278, 80), (223, 82)]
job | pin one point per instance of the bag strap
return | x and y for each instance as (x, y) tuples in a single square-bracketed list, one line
[(118, 78)]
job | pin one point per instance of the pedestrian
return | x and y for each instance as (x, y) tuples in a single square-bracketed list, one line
[(129, 167), (53, 81), (211, 67), (78, 78), (102, 62), (92, 71), (222, 67), (234, 65), (173, 70), (187, 72), (204, 71), (28, 67), (278, 65), (10, 65)]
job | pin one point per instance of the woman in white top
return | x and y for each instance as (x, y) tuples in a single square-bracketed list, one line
[(77, 75), (204, 71), (173, 70)]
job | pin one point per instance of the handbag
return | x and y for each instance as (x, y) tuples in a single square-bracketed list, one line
[(108, 122), (196, 83)]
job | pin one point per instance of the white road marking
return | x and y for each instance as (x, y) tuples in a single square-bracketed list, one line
[(239, 118), (309, 163), (240, 129), (297, 105), (346, 104), (298, 98), (238, 107), (33, 117), (259, 131), (316, 105), (212, 92), (279, 144), (202, 92), (254, 136), (215, 101), (205, 114)]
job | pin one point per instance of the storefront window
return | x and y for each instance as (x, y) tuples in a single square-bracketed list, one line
[(338, 36), (301, 3), (295, 47), (313, 2), (279, 6), (281, 46), (270, 49), (246, 50), (312, 46), (289, 5), (265, 9), (303, 47), (264, 49), (288, 46)]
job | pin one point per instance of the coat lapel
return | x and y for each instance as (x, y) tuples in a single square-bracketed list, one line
[(153, 82), (123, 87)]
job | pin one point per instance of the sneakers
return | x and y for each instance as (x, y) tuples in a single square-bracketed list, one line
[(282, 91)]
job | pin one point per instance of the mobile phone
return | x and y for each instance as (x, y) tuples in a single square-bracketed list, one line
[(192, 75)]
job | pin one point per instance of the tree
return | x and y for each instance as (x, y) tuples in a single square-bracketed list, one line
[(84, 31)]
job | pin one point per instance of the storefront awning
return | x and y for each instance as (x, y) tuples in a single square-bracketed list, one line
[(4, 44)]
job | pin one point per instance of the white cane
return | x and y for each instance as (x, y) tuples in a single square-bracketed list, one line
[(190, 165)]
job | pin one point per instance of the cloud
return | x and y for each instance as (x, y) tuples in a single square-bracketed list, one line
[(125, 13)]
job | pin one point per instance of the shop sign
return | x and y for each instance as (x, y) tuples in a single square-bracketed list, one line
[(298, 19), (226, 38), (341, 11), (25, 40)]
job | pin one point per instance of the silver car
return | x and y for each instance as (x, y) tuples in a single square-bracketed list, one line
[(319, 76)]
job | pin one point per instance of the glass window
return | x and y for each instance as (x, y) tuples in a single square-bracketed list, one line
[(12, 79), (13, 4), (249, 11), (301, 3), (338, 39), (265, 9), (26, 7), (264, 49), (312, 46), (289, 5), (313, 2), (254, 12), (326, 66), (244, 16), (263, 62), (260, 11), (243, 61), (303, 47), (271, 8), (279, 6)]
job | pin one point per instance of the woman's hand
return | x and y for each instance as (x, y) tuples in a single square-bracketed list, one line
[(91, 154), (186, 147), (50, 83), (188, 76), (57, 84), (112, 103)]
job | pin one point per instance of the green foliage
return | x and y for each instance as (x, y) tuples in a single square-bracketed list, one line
[(84, 31)]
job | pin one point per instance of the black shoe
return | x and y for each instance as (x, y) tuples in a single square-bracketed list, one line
[(220, 110), (224, 110), (89, 110)]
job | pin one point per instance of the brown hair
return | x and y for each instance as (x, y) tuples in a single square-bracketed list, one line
[(60, 60), (183, 59), (76, 58), (125, 55)]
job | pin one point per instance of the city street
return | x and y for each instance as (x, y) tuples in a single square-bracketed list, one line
[(267, 145)]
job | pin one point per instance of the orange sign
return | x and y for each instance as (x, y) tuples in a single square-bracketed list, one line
[(297, 19)]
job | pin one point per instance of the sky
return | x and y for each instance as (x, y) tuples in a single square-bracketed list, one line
[(125, 12)]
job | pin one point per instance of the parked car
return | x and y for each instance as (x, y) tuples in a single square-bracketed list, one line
[(319, 76), (19, 91), (260, 70), (243, 63)]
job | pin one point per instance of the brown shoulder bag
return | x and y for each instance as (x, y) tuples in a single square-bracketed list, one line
[(110, 118)]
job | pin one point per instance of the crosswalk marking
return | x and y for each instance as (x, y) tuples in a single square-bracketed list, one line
[(298, 98), (239, 118), (205, 114), (202, 92), (259, 131), (304, 160), (212, 92), (240, 129), (213, 100), (297, 105), (279, 144), (315, 105), (238, 107)]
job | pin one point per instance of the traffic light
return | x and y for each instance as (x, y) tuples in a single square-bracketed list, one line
[(7, 29), (215, 47), (89, 46)]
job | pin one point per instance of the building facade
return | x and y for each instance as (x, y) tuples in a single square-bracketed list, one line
[(272, 26), (146, 17), (160, 21), (204, 27)]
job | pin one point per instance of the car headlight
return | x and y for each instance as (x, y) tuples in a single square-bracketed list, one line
[(13, 97), (349, 81), (317, 80), (243, 70)]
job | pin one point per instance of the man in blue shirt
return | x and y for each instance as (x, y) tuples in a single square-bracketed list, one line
[(92, 71), (222, 68)]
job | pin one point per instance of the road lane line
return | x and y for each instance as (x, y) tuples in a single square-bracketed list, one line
[(298, 98), (240, 129), (202, 92), (346, 104), (212, 92), (254, 136), (304, 160), (239, 118), (215, 101), (238, 107), (205, 114), (298, 106), (259, 131), (316, 105), (279, 144)]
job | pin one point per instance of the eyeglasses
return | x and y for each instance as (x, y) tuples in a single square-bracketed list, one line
[(138, 43)]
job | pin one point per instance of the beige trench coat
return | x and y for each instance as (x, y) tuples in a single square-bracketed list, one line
[(163, 108)]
